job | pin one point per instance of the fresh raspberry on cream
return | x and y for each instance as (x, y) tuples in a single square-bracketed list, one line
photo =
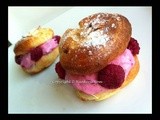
[(91, 86)]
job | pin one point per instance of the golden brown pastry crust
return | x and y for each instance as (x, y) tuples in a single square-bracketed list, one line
[(100, 39), (32, 40), (44, 62), (104, 95)]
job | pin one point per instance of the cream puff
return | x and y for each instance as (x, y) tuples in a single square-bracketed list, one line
[(37, 50), (100, 57)]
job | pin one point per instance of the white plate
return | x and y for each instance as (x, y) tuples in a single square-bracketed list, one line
[(38, 93)]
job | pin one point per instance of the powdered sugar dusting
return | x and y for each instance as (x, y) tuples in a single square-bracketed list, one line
[(92, 34), (94, 31), (113, 25), (90, 53), (116, 16), (95, 21), (95, 38)]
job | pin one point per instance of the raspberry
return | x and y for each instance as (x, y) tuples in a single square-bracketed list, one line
[(133, 46), (57, 38), (60, 71), (18, 59), (36, 54), (111, 77)]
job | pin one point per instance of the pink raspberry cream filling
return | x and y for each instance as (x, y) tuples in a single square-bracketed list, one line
[(89, 83), (26, 60)]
